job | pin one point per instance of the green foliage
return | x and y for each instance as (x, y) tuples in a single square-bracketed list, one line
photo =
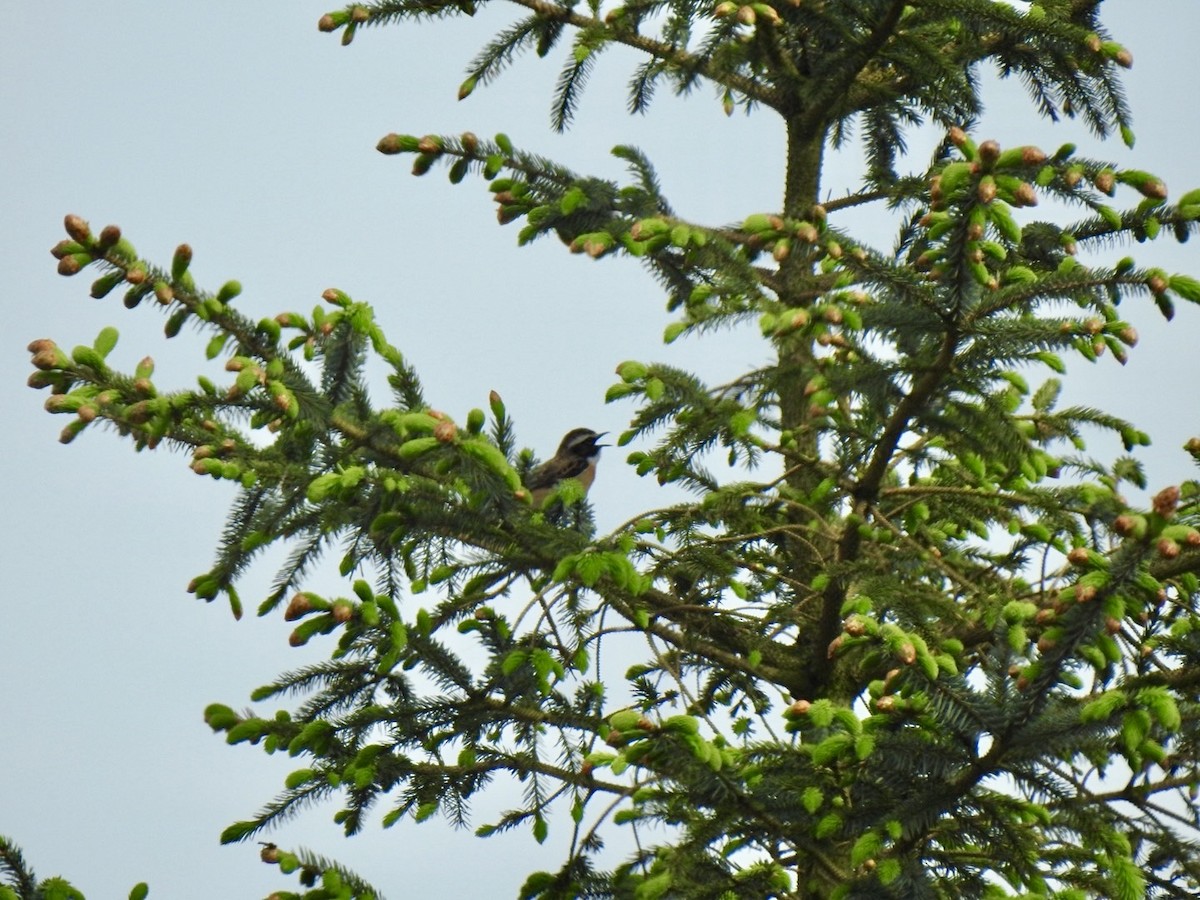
[(918, 646), (17, 881)]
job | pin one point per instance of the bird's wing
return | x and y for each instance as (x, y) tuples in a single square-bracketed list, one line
[(554, 471)]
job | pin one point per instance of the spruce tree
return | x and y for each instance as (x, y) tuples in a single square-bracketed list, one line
[(903, 638)]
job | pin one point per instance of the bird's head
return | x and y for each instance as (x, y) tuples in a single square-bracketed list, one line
[(581, 443)]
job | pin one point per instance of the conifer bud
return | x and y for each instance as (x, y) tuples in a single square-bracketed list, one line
[(73, 264), (1153, 188), (78, 229), (1166, 500), (1078, 556), (342, 611), (1033, 156), (445, 431), (854, 626), (957, 136), (496, 403), (1025, 195), (1124, 525), (65, 248), (49, 359), (391, 144), (807, 232), (1167, 548), (989, 152), (327, 23), (299, 607), (109, 236), (801, 707), (767, 13), (430, 144)]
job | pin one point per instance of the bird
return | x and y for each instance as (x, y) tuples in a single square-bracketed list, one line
[(576, 457)]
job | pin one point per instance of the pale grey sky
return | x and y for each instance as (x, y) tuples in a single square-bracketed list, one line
[(243, 131)]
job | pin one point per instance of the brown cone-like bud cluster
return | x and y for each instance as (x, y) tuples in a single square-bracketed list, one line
[(299, 607), (78, 228), (1078, 556), (989, 152), (1033, 156), (69, 265), (855, 627), (1123, 525), (1165, 501), (109, 236), (1167, 548)]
